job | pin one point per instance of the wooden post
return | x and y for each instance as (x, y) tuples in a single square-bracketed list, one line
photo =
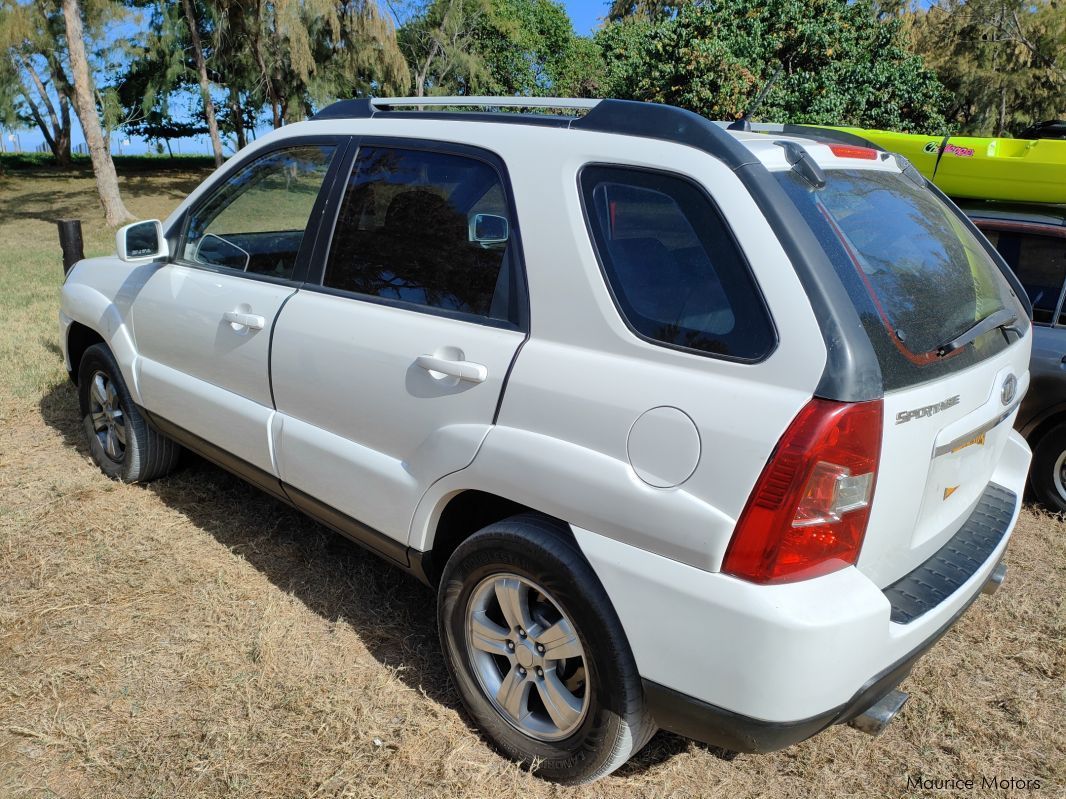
[(70, 241)]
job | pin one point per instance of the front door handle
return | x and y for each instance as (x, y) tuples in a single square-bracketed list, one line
[(464, 370), (248, 320)]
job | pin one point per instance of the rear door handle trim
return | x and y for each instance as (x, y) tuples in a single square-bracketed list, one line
[(249, 320), (465, 370)]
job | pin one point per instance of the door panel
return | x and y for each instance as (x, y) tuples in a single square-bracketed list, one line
[(389, 378), (200, 371), (203, 324), (363, 427)]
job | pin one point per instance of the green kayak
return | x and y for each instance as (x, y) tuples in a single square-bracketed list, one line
[(1026, 170)]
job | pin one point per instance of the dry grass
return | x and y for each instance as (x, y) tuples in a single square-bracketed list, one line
[(195, 638)]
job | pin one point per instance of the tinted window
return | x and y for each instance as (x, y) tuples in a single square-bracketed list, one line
[(673, 267), (255, 220), (1039, 262), (431, 229), (917, 275)]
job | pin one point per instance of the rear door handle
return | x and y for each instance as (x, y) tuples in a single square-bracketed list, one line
[(248, 320), (464, 370)]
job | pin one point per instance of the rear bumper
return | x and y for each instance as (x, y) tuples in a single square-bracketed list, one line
[(702, 721), (754, 667)]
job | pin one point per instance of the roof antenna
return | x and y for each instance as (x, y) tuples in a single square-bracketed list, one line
[(743, 123)]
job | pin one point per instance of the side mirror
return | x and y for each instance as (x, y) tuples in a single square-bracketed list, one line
[(489, 229), (142, 241)]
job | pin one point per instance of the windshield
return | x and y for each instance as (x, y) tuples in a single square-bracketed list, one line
[(917, 274)]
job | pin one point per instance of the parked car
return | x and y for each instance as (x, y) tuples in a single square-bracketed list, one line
[(692, 429), (1032, 240)]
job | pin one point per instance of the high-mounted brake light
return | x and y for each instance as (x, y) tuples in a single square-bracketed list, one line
[(853, 151), (808, 513)]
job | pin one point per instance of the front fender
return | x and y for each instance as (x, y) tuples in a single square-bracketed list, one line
[(98, 294)]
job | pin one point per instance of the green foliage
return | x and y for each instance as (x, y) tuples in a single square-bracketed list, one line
[(1003, 61), (839, 64), (523, 47)]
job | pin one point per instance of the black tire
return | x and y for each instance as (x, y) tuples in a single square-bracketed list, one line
[(616, 724), (1046, 457), (146, 453)]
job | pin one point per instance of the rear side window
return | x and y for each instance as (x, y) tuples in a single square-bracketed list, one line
[(1040, 264), (673, 267), (916, 273), (426, 229)]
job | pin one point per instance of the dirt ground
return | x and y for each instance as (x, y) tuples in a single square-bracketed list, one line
[(193, 637)]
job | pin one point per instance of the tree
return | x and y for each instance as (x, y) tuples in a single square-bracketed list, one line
[(838, 63), (32, 45), (308, 52), (521, 47), (85, 105), (653, 10), (1003, 61), (205, 84), (441, 46)]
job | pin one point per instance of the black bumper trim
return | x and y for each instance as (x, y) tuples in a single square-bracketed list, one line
[(921, 590), (701, 721)]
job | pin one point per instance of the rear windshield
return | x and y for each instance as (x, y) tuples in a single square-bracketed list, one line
[(917, 274)]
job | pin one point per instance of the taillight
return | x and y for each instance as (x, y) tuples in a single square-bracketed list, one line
[(853, 151), (808, 513)]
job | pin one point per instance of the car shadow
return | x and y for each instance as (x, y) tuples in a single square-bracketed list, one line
[(393, 613)]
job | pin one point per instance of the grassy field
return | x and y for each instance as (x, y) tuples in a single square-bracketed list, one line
[(193, 637)]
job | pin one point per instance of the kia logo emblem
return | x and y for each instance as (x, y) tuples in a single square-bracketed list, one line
[(1010, 388)]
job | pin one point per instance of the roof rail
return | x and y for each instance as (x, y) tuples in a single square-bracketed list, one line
[(626, 117), (366, 107)]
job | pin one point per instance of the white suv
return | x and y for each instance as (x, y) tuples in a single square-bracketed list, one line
[(695, 429)]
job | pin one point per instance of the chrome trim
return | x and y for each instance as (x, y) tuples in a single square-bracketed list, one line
[(944, 449)]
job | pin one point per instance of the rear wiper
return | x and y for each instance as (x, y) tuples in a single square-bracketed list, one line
[(1004, 319)]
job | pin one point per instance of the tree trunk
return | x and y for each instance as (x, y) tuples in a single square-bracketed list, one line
[(103, 167), (238, 117), (205, 85), (62, 137)]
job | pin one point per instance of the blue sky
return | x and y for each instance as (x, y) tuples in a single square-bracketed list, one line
[(585, 14)]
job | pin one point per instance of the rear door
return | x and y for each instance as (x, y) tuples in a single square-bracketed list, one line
[(388, 374), (202, 322), (922, 282)]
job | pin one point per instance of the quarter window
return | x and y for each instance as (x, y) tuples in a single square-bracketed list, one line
[(255, 220), (676, 273), (428, 229)]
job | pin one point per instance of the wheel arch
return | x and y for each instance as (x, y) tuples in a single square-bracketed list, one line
[(1039, 427), (95, 318), (461, 513), (79, 338)]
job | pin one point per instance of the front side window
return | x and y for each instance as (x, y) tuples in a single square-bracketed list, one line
[(428, 229), (1040, 264), (255, 220), (672, 265)]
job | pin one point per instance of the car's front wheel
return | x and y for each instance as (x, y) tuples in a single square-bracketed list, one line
[(1048, 474), (121, 442), (538, 654)]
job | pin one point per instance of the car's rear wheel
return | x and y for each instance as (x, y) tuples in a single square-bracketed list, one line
[(1048, 474), (538, 654), (121, 442)]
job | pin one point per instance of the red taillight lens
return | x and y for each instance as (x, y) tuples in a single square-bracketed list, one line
[(807, 515), (853, 151)]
